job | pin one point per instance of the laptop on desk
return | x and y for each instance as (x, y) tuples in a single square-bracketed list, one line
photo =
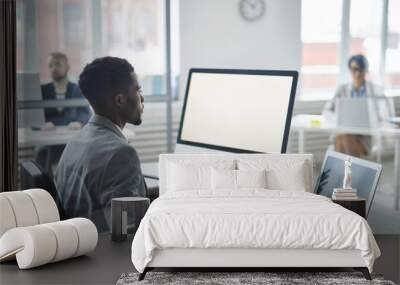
[(356, 113)]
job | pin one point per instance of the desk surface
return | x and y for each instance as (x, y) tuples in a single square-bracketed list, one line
[(102, 266), (304, 122)]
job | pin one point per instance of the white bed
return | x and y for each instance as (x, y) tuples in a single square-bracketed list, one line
[(200, 220)]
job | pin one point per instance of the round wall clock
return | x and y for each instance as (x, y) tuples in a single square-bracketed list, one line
[(252, 10)]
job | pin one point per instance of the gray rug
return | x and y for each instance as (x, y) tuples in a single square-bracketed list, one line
[(228, 278)]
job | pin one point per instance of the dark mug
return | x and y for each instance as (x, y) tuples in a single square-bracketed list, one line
[(126, 214)]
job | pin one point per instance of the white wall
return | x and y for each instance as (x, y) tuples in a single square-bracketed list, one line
[(213, 34)]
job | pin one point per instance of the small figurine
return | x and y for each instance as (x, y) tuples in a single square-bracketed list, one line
[(347, 173)]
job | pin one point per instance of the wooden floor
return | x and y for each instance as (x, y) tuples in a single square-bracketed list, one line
[(110, 260)]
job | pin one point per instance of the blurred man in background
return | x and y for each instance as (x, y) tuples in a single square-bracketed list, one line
[(72, 117), (60, 89)]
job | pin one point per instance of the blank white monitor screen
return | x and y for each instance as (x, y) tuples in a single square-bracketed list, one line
[(236, 110)]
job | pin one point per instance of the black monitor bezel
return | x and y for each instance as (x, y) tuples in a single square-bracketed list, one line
[(288, 73)]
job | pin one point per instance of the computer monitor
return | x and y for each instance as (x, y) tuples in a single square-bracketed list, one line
[(365, 176), (237, 110), (28, 89)]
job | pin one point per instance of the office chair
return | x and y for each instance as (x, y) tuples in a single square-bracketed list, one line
[(32, 176), (151, 192)]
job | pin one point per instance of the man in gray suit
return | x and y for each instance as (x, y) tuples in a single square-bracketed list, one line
[(99, 164)]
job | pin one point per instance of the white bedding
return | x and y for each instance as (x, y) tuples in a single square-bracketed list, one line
[(250, 219)]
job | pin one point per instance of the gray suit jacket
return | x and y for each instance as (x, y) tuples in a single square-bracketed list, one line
[(97, 165)]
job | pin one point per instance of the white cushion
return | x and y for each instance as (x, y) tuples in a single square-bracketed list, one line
[(66, 237), (87, 233), (26, 208), (31, 246), (189, 175), (45, 206), (281, 162), (237, 179), (251, 178), (40, 244), (23, 208), (282, 174), (34, 244), (7, 218), (292, 179), (223, 179)]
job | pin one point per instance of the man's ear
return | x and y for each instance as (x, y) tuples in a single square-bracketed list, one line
[(119, 99)]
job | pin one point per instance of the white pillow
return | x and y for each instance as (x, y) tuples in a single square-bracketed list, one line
[(223, 179), (251, 178), (185, 177), (237, 179), (185, 174), (293, 179), (282, 174)]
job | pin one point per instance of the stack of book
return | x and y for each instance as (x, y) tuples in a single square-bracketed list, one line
[(344, 194)]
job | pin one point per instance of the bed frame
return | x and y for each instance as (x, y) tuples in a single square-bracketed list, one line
[(242, 259)]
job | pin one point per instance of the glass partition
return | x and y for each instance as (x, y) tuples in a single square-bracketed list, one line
[(392, 78), (55, 40), (365, 33)]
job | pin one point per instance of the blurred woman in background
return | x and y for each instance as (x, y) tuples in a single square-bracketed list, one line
[(359, 87)]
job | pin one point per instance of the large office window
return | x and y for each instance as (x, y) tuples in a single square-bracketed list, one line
[(135, 30), (320, 34), (62, 26), (335, 29), (83, 30), (392, 78), (365, 32)]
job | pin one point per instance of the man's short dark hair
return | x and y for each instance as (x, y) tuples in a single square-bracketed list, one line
[(361, 61), (59, 55), (104, 78)]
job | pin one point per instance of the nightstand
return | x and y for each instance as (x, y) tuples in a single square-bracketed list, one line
[(357, 205)]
